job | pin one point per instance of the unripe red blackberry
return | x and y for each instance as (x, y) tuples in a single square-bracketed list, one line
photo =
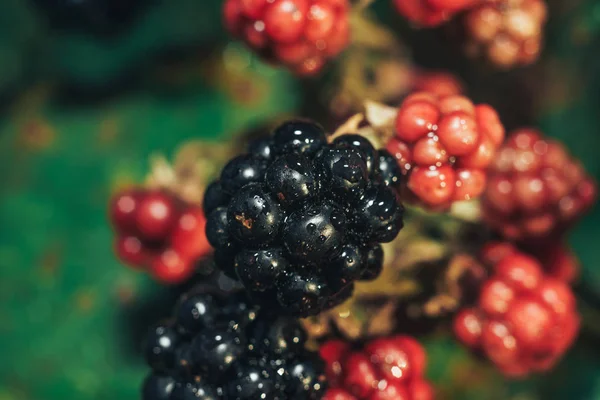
[(299, 34), (431, 12), (155, 230), (443, 145), (382, 369), (535, 189), (506, 32), (524, 319)]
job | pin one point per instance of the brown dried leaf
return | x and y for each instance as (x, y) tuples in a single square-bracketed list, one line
[(379, 115)]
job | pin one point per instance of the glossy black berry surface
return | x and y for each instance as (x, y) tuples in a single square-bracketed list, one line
[(302, 216), (160, 345), (378, 217), (157, 387), (369, 155), (343, 173), (240, 171), (259, 269), (388, 170), (226, 348), (315, 233), (261, 148), (299, 137), (254, 216), (291, 179), (374, 263), (214, 197), (217, 228)]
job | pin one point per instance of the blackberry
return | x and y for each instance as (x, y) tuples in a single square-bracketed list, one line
[(300, 137), (224, 347), (241, 171), (158, 387), (160, 346), (193, 391), (369, 155), (261, 148), (253, 216), (304, 219), (389, 172), (291, 179), (214, 197)]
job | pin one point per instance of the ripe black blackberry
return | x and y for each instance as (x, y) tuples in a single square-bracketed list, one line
[(220, 347), (297, 219)]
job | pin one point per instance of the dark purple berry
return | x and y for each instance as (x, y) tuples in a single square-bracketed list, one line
[(291, 180), (252, 382), (217, 228), (284, 336), (343, 173), (373, 264), (241, 171), (254, 216), (194, 391), (306, 378), (157, 387), (261, 148), (259, 269), (346, 267), (160, 346), (300, 137), (362, 144), (302, 294), (215, 350), (388, 171), (196, 312), (225, 260), (378, 215), (316, 233), (214, 197)]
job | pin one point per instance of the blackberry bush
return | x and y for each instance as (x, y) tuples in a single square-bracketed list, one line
[(535, 189), (382, 369), (300, 34), (220, 347), (524, 320), (298, 219), (443, 144)]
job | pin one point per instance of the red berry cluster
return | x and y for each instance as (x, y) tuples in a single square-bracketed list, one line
[(300, 34), (384, 369), (157, 231), (524, 321), (437, 82), (431, 12), (507, 32), (535, 189), (557, 260), (443, 144)]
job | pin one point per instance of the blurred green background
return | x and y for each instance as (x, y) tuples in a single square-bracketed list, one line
[(81, 113)]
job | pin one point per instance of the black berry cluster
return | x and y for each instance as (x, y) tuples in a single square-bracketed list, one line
[(222, 348), (297, 220)]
